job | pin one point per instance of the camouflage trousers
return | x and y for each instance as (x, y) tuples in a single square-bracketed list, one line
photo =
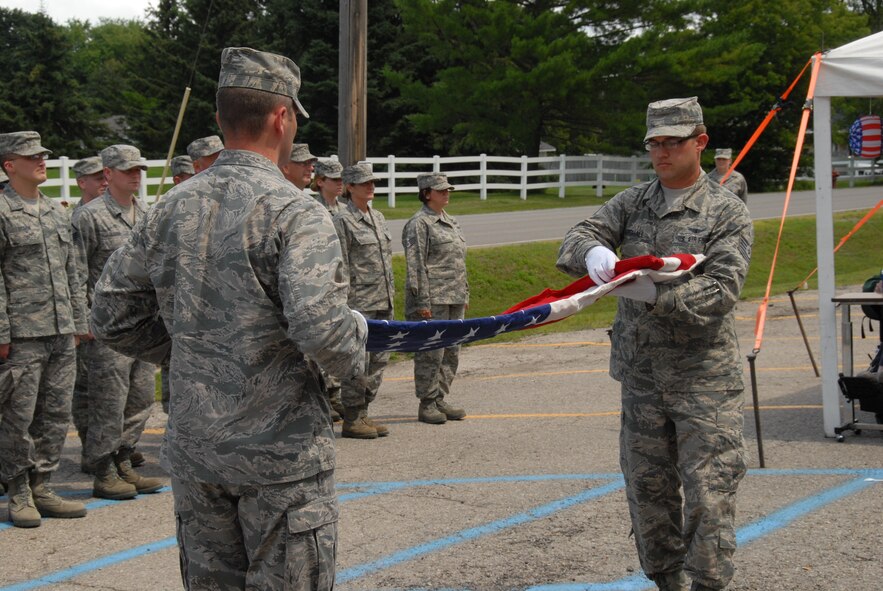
[(375, 363), (165, 388), (271, 537), (80, 405), (434, 371), (690, 439), (121, 393), (37, 412)]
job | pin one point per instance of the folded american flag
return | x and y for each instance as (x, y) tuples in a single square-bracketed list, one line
[(544, 308)]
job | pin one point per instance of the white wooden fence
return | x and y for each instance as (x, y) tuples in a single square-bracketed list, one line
[(467, 173)]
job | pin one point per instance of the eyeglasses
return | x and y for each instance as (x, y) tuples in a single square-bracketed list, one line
[(650, 145), (42, 156)]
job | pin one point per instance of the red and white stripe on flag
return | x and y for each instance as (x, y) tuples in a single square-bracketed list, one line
[(865, 137)]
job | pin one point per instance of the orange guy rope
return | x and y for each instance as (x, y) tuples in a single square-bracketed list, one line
[(807, 109)]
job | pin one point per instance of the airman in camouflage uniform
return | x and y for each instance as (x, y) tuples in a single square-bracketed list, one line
[(735, 182), (328, 185), (675, 352), (182, 169), (299, 167), (236, 278), (121, 389), (89, 173), (42, 307), (435, 288), (365, 242), (204, 151)]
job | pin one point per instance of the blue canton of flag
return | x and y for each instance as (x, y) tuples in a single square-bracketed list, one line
[(394, 335)]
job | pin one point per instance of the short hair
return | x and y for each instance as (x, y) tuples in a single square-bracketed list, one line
[(700, 129), (423, 195), (243, 111)]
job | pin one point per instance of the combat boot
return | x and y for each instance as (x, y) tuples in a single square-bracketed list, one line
[(450, 412), (337, 408), (674, 581), (143, 484), (429, 413), (108, 484), (137, 458), (382, 430), (355, 426), (47, 501), (22, 510)]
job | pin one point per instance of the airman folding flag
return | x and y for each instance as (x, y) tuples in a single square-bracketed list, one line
[(544, 308)]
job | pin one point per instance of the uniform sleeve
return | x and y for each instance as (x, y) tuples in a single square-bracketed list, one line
[(605, 227), (76, 287), (125, 311), (716, 288), (85, 242), (344, 238), (5, 330), (415, 240), (313, 292)]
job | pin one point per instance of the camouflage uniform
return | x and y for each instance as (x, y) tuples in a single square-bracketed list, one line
[(236, 277), (435, 254), (365, 243), (41, 308), (121, 389), (735, 183), (681, 375)]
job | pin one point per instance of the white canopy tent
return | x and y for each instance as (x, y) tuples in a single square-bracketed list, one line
[(853, 70)]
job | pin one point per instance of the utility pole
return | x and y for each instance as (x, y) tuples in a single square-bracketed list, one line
[(352, 113)]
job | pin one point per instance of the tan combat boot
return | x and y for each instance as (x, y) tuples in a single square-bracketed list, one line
[(47, 501), (674, 581), (450, 412), (429, 413), (143, 484), (108, 484), (382, 430), (355, 426), (22, 510)]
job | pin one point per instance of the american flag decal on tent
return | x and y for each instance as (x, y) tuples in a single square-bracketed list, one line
[(864, 137), (543, 308)]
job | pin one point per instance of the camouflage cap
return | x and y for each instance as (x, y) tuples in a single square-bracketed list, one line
[(723, 153), (204, 146), (23, 143), (301, 153), (182, 165), (243, 67), (357, 174), (436, 180), (328, 168), (122, 157), (673, 117), (86, 166)]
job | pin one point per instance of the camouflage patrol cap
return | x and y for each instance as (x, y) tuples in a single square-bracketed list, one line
[(673, 117), (122, 157), (329, 168), (723, 153), (182, 165), (301, 153), (204, 146), (243, 67), (436, 181), (358, 173), (86, 166), (23, 143)]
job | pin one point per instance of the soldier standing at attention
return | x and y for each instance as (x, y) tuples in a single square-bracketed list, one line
[(204, 151), (435, 288), (42, 307), (328, 184), (121, 389), (735, 182), (366, 245), (236, 277), (674, 350), (298, 169), (90, 178)]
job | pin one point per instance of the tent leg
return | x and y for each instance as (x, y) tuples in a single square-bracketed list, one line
[(803, 333), (760, 456)]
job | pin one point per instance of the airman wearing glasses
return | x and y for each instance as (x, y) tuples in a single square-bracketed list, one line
[(675, 353), (42, 307)]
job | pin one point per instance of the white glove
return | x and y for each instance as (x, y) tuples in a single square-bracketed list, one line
[(599, 263), (641, 289), (362, 324)]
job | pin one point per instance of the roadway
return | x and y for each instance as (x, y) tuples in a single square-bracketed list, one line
[(495, 229)]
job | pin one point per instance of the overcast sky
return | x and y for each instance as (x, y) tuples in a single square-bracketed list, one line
[(63, 10)]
